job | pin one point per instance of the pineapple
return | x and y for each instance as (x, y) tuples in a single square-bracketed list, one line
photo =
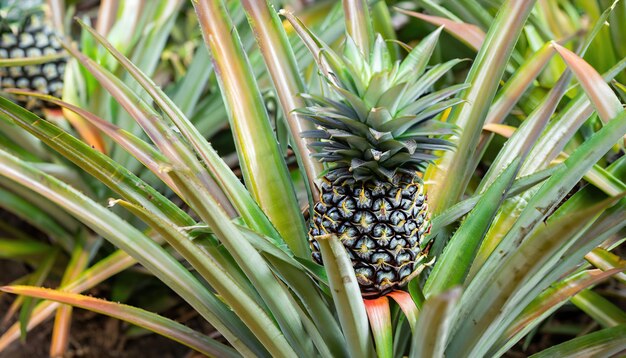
[(376, 130), (24, 34)]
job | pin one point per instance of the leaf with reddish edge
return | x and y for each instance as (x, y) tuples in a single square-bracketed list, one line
[(606, 102), (471, 35), (380, 321), (104, 269), (86, 131), (134, 315), (407, 305), (502, 129), (142, 151), (63, 321), (37, 279)]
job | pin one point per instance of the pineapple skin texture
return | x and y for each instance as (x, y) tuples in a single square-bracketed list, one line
[(34, 38), (382, 226)]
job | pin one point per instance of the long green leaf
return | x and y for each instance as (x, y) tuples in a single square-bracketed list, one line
[(227, 180), (269, 183), (599, 308), (603, 343), (453, 171), (283, 69), (547, 303), (433, 325), (529, 131), (95, 163), (252, 263), (158, 324), (347, 296), (497, 294), (119, 232), (102, 270), (239, 298), (452, 267), (162, 136)]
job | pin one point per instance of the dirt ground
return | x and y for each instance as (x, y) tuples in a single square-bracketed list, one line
[(92, 335)]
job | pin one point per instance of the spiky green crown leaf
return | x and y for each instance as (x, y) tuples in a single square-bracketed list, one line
[(380, 117)]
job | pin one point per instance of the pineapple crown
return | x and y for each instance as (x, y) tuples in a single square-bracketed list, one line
[(379, 119)]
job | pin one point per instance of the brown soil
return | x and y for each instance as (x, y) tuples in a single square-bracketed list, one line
[(92, 335)]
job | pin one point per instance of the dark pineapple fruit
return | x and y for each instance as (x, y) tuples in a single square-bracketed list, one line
[(381, 224), (376, 128), (25, 34)]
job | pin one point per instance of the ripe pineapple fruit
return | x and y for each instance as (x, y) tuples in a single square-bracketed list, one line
[(25, 34), (376, 131)]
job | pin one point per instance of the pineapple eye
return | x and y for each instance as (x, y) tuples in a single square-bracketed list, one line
[(50, 70), (39, 83), (412, 241), (409, 190), (17, 53), (397, 243), (8, 40), (406, 204), (16, 71), (348, 235), (398, 219), (33, 52), (363, 198), (26, 40), (382, 258), (363, 249), (23, 83), (8, 82), (403, 258), (347, 207), (363, 273), (334, 214), (382, 233), (410, 226), (405, 271), (329, 224), (32, 70), (363, 220), (385, 278)]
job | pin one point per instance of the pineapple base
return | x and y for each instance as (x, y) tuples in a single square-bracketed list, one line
[(382, 226)]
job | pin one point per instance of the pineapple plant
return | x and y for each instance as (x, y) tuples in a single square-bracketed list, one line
[(25, 34), (238, 252), (375, 135)]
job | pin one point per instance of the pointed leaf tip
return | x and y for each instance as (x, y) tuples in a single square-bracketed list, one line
[(606, 102), (471, 35)]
